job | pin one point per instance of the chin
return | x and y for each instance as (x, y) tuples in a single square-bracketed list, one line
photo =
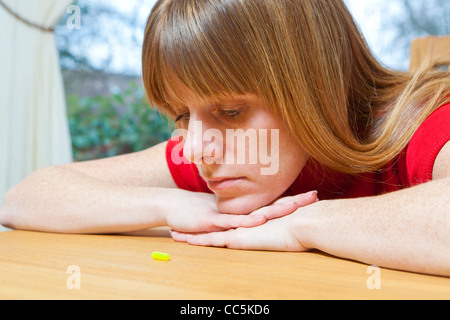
[(242, 205)]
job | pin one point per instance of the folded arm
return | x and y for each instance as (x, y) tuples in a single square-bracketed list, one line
[(115, 195), (99, 196), (408, 229)]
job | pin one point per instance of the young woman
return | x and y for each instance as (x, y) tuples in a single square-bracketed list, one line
[(294, 83)]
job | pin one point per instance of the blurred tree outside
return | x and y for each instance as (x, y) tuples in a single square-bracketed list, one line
[(106, 106), (391, 25), (107, 111), (421, 18), (109, 125)]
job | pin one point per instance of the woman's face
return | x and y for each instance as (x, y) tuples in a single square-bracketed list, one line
[(241, 149)]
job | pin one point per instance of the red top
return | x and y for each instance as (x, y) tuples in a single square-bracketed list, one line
[(414, 165)]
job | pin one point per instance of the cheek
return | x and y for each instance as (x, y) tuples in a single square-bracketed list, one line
[(267, 182), (292, 161)]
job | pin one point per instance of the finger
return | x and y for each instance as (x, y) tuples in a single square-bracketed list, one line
[(178, 236), (181, 236), (242, 238), (287, 205), (213, 239), (200, 239), (277, 210), (230, 221), (301, 199)]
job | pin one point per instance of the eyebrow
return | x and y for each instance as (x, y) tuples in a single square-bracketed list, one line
[(219, 103), (232, 102)]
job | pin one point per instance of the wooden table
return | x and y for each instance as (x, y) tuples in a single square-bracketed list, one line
[(37, 265)]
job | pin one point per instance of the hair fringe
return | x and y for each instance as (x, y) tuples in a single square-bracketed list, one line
[(307, 59)]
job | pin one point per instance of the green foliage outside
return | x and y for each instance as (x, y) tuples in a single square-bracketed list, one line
[(105, 126)]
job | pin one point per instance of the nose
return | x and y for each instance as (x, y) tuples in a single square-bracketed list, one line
[(203, 144), (193, 141)]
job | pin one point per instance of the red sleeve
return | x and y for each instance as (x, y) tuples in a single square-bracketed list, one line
[(425, 145), (184, 173)]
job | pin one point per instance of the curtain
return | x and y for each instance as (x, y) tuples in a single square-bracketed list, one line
[(34, 130)]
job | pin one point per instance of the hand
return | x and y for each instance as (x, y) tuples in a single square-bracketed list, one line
[(274, 210), (273, 235), (195, 212)]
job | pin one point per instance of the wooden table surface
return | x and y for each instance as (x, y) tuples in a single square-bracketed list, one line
[(37, 265)]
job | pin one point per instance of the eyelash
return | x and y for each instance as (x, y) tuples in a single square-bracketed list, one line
[(230, 114), (184, 117)]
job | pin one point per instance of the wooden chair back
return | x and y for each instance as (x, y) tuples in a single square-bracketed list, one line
[(432, 50)]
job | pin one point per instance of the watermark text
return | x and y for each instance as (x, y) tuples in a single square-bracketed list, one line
[(211, 146)]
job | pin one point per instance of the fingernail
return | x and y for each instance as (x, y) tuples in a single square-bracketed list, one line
[(288, 204), (312, 193), (259, 217)]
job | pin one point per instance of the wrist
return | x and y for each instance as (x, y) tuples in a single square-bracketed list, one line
[(307, 224), (168, 202), (160, 201)]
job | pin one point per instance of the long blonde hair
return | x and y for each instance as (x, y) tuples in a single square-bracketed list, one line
[(306, 59)]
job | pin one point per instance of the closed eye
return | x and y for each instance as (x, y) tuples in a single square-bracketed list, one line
[(229, 114), (183, 117), (232, 114)]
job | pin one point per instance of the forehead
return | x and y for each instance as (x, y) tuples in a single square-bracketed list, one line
[(182, 97)]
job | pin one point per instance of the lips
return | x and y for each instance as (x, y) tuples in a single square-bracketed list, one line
[(223, 183)]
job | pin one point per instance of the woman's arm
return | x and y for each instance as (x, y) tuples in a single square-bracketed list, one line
[(115, 195), (408, 229), (93, 196)]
